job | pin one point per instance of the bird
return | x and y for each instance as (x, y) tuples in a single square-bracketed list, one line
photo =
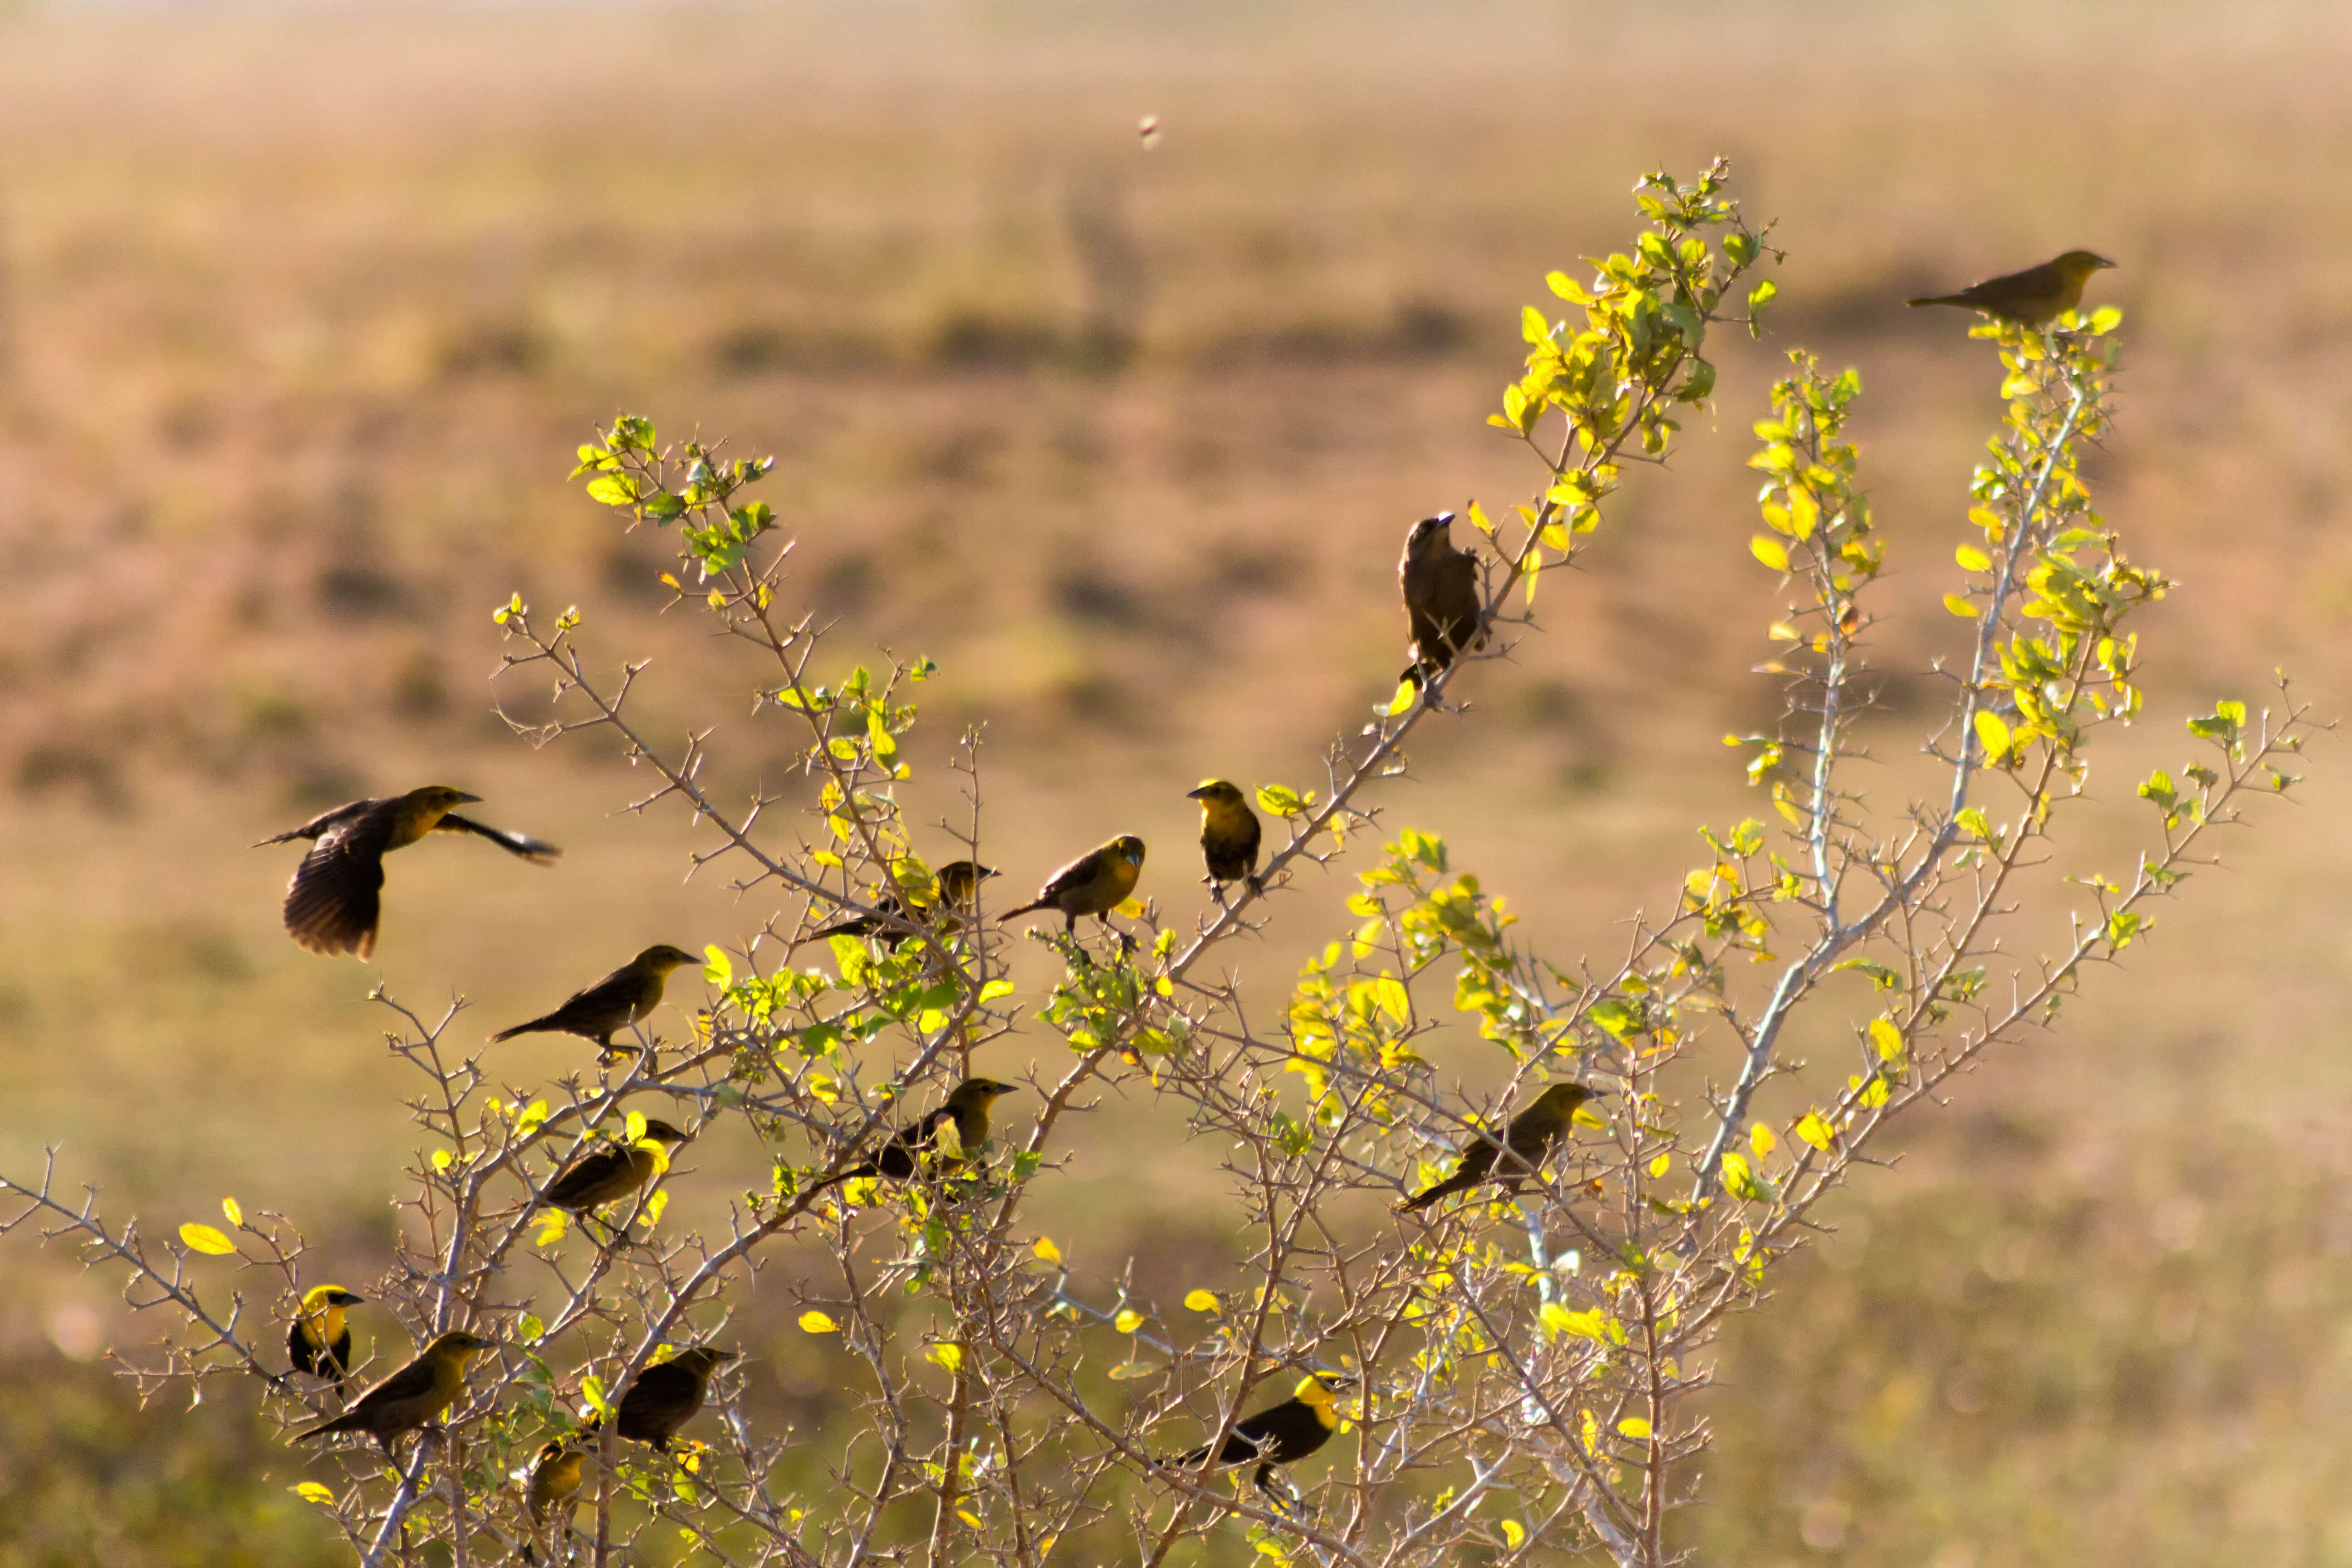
[(1093, 884), (958, 882), (1529, 1138), (666, 1395), (1440, 598), (410, 1397), (957, 1127), (554, 1482), (318, 1342), (1280, 1434), (624, 997), (595, 1179), (1230, 833), (335, 899), (2031, 296)]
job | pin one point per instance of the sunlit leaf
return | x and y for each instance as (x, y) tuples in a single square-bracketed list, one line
[(205, 1238)]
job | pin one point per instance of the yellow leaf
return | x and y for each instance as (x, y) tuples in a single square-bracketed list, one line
[(1200, 1301), (236, 1214), (1133, 908), (1886, 1037), (1661, 1164), (1770, 551), (551, 1226), (205, 1238), (1128, 1321), (1972, 559), (1513, 1534), (816, 1322), (1390, 993), (948, 1356), (1046, 1251), (443, 1159), (1778, 631), (1634, 1427), (1814, 1129), (1960, 606), (968, 1518), (1994, 733), (1760, 1139), (311, 1491)]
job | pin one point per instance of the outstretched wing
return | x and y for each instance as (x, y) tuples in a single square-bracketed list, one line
[(335, 899), (538, 851)]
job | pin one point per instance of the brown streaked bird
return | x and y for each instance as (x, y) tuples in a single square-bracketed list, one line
[(1093, 884), (334, 901), (957, 1127), (622, 998), (1526, 1143), (317, 1340), (615, 1171), (1279, 1434), (958, 882), (2033, 296), (411, 1397), (1230, 833), (666, 1395), (1440, 598), (554, 1483)]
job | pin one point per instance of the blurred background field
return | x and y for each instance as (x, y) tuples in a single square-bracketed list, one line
[(303, 311)]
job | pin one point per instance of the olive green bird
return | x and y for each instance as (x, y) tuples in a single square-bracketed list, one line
[(1280, 1434), (958, 882), (952, 1132), (335, 899), (615, 1171), (1230, 834), (624, 997), (554, 1484), (2033, 296), (317, 1340), (411, 1397), (666, 1397), (1440, 598), (1093, 884), (1526, 1143)]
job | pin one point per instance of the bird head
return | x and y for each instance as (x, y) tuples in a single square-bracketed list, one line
[(1317, 1388), (663, 1132), (319, 1298), (1128, 848), (1569, 1099), (2081, 264), (960, 879), (703, 1360), (438, 798), (1215, 792), (1431, 536), (462, 1344), (982, 1091), (663, 958)]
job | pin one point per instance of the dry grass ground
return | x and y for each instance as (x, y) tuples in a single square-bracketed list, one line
[(302, 315)]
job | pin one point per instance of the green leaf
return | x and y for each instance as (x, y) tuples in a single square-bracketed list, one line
[(612, 490)]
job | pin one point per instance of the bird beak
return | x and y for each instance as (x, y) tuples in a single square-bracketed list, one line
[(2102, 261), (1196, 794), (464, 799)]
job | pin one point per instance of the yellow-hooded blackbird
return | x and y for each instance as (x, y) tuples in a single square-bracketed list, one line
[(410, 1397), (1529, 1138), (1280, 1435), (960, 883), (2034, 296), (1093, 884), (334, 901), (554, 1483), (318, 1342), (1441, 597), (957, 1127), (1230, 834), (624, 997), (595, 1179), (666, 1397)]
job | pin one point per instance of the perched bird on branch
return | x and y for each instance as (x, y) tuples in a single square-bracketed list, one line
[(624, 997), (595, 1179), (958, 882), (1093, 884), (2034, 296), (554, 1483), (1280, 1435), (666, 1397), (334, 901), (411, 1397), (952, 1132), (1526, 1143), (1441, 597), (318, 1342), (1230, 833)]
